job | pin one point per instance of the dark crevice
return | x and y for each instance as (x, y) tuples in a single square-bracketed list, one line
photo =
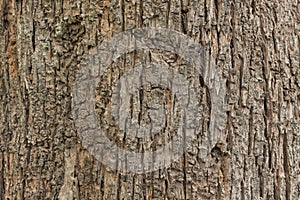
[(133, 187), (277, 185), (144, 184), (250, 134), (216, 153), (232, 51), (265, 152), (242, 190), (184, 18), (241, 82), (274, 41), (253, 5), (168, 13), (119, 185), (261, 183), (267, 99), (184, 176), (217, 8), (62, 7), (33, 35), (243, 181), (2, 182), (20, 2), (205, 12), (54, 9), (123, 15), (141, 95), (141, 14), (286, 165), (166, 185), (231, 187)]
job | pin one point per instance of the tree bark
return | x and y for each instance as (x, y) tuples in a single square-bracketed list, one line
[(254, 43)]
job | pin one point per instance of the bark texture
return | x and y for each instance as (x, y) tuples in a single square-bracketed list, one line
[(256, 43)]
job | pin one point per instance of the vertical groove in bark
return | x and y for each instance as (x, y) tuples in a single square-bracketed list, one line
[(286, 167)]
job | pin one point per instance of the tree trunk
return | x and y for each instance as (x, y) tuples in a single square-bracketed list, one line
[(256, 46)]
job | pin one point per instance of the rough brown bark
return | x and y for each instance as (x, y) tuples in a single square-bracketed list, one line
[(256, 43)]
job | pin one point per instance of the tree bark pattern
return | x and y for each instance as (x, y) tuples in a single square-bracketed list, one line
[(255, 43)]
